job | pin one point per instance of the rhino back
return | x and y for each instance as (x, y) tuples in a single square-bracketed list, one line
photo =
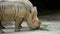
[(10, 10)]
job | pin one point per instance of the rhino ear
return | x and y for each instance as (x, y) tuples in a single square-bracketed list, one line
[(35, 9)]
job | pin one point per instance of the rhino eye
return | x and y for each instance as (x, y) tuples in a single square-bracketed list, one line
[(33, 22)]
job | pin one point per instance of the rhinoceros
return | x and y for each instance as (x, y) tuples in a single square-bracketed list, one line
[(18, 12), (27, 2)]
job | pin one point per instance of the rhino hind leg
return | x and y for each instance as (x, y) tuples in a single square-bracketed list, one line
[(1, 31), (1, 26)]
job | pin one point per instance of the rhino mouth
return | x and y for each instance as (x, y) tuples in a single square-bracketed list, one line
[(35, 28)]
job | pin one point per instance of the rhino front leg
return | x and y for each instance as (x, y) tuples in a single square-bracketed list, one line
[(17, 24), (20, 24)]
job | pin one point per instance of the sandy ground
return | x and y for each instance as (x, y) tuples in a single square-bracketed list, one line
[(51, 27)]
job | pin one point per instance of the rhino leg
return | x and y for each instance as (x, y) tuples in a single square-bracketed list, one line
[(1, 31), (1, 26), (18, 24)]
